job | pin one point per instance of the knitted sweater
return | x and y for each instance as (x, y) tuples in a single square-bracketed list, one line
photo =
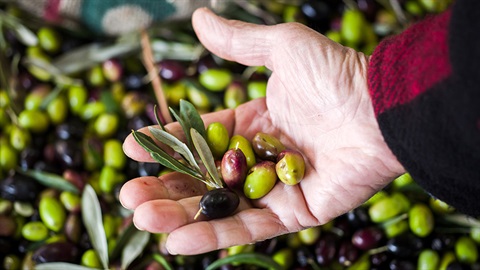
[(425, 87)]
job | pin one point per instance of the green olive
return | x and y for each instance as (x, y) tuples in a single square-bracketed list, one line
[(401, 181), (49, 39), (198, 98), (106, 125), (447, 258), (267, 146), (109, 226), (217, 139), (70, 201), (474, 234), (376, 197), (92, 110), (466, 250), (19, 138), (133, 104), (334, 35), (38, 56), (34, 120), (175, 92), (261, 178), (290, 167), (35, 231), (421, 220), (235, 94), (90, 259), (77, 98), (8, 157), (57, 110), (384, 209), (52, 213), (256, 89), (310, 235), (284, 257), (95, 76), (113, 155), (35, 98), (4, 99), (240, 142), (12, 262), (215, 79), (439, 206), (402, 200), (109, 177), (428, 259), (396, 228), (4, 118), (352, 27)]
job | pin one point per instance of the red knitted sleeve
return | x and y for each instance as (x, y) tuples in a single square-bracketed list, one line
[(425, 89)]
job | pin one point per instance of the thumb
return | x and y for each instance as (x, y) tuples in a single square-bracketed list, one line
[(245, 43)]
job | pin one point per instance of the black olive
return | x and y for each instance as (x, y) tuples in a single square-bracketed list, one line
[(19, 187), (57, 252), (405, 245), (219, 203)]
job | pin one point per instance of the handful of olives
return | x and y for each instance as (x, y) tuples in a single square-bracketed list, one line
[(238, 167)]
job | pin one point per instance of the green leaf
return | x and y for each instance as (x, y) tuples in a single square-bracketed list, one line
[(122, 241), (177, 145), (184, 126), (111, 106), (162, 157), (92, 219), (247, 258), (462, 220), (162, 261), (23, 34), (51, 180), (134, 247), (191, 117), (155, 111), (62, 266), (206, 156)]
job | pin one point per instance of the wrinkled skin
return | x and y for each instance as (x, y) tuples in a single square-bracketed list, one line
[(317, 102)]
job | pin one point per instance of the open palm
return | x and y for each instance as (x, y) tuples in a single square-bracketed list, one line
[(317, 102)]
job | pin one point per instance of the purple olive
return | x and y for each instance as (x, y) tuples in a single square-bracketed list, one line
[(219, 203), (367, 238), (234, 168), (57, 252)]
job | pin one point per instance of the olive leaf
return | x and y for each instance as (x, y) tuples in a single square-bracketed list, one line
[(50, 180), (157, 118), (462, 220), (62, 266), (122, 241), (22, 33), (134, 247), (92, 219), (162, 261), (206, 156), (175, 144), (162, 157), (247, 258), (190, 116)]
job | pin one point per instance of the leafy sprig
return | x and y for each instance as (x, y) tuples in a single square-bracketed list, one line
[(194, 130)]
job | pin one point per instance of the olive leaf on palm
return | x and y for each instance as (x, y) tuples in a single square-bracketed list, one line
[(219, 201)]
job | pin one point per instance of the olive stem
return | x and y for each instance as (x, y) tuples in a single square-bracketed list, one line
[(377, 250), (197, 214), (394, 220)]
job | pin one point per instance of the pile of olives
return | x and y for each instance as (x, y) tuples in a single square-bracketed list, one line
[(61, 132)]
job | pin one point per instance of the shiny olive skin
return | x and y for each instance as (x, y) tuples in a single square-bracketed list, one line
[(290, 167), (428, 259), (52, 213), (368, 238), (240, 142), (405, 245), (234, 168), (69, 153), (217, 138), (19, 187), (421, 220), (219, 203), (261, 178), (466, 250), (267, 146)]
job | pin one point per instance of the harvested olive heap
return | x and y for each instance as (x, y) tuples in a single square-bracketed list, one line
[(69, 99)]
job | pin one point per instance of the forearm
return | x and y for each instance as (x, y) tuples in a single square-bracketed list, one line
[(426, 100)]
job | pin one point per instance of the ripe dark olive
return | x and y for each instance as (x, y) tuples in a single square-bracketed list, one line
[(28, 157), (57, 252), (347, 253), (171, 70), (73, 128), (406, 245), (219, 203), (69, 153), (304, 256), (367, 238), (397, 264), (19, 187), (358, 217), (326, 248)]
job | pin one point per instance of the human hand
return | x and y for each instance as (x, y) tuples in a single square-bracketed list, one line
[(317, 102)]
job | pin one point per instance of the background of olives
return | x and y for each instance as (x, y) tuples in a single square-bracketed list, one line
[(62, 131)]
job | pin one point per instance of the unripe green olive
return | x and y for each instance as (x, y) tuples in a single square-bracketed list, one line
[(8, 157), (92, 110), (49, 39), (106, 125), (235, 94), (217, 139), (402, 200), (108, 178), (109, 226), (475, 234), (12, 262), (70, 201), (384, 209), (402, 181), (353, 23), (57, 110), (34, 120), (77, 98), (133, 104), (215, 79), (421, 220), (4, 118), (95, 76), (39, 56), (256, 89), (284, 257), (36, 97), (175, 92), (439, 206), (466, 250), (261, 178), (113, 155), (198, 98), (4, 99), (428, 259), (19, 138), (310, 235), (52, 213), (240, 142), (34, 231), (90, 259), (290, 167), (396, 228), (334, 35), (376, 197), (447, 258), (267, 146)]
